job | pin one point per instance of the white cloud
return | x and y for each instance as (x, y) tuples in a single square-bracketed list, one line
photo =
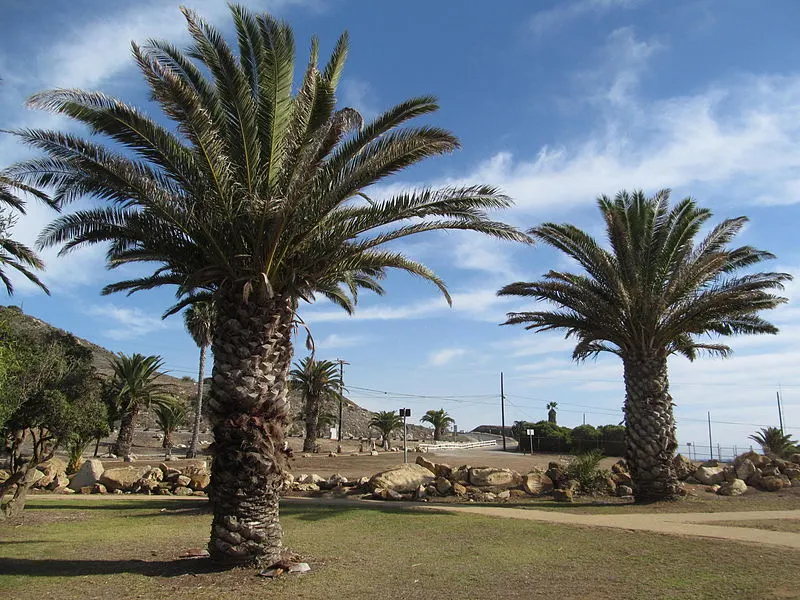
[(341, 341), (127, 323), (546, 22), (358, 94), (444, 356)]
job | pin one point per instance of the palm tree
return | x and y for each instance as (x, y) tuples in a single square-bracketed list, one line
[(317, 381), (653, 293), (440, 420), (551, 412), (134, 386), (199, 321), (255, 194), (12, 253), (170, 415), (386, 421), (773, 441)]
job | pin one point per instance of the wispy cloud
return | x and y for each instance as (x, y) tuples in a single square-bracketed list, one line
[(358, 94), (126, 323), (549, 21), (444, 356), (335, 340)]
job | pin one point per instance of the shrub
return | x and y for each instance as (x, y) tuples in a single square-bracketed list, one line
[(585, 469)]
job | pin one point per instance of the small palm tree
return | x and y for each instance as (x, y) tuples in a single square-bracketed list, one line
[(317, 381), (440, 420), (199, 321), (134, 387), (551, 412), (386, 421), (652, 293), (170, 415), (773, 441), (255, 192)]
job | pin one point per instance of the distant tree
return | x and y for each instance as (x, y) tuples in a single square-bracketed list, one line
[(653, 290), (584, 438), (551, 412), (386, 421), (773, 441), (56, 394), (199, 320), (134, 386), (440, 420), (316, 381), (170, 415)]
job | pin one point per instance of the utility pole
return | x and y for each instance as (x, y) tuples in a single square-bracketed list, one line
[(502, 412), (341, 391), (780, 411), (710, 443)]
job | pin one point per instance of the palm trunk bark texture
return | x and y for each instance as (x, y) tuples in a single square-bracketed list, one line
[(249, 412), (312, 423), (125, 437)]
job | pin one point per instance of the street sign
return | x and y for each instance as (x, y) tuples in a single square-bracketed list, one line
[(405, 412), (531, 432)]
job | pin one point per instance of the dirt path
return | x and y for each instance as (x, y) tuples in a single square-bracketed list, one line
[(691, 524)]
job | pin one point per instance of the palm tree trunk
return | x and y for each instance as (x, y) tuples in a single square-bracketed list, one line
[(650, 429), (124, 442), (249, 411), (312, 423), (198, 407), (437, 434)]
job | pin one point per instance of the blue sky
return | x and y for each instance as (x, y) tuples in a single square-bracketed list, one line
[(555, 102)]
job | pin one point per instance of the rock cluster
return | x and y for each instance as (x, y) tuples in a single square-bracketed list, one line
[(767, 473)]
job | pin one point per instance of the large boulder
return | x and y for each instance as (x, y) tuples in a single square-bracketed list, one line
[(710, 475), (52, 469), (199, 481), (424, 462), (737, 487), (745, 470), (684, 468), (771, 484), (460, 475), (89, 474), (494, 477), (558, 473), (443, 486), (402, 478), (536, 483), (122, 478)]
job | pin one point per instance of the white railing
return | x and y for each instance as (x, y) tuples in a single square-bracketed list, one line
[(457, 445)]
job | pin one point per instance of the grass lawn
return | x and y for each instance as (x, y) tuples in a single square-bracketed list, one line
[(787, 525), (128, 548)]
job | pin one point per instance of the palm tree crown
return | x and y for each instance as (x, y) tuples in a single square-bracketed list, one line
[(773, 441), (655, 290), (199, 322), (439, 419), (652, 293), (386, 421), (317, 378)]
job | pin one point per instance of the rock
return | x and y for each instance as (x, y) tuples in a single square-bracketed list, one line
[(460, 475), (494, 477), (771, 484), (729, 473), (306, 487), (684, 467), (792, 472), (373, 453), (63, 490), (51, 469), (621, 478), (745, 469), (618, 467), (420, 493), (563, 495), (336, 479), (313, 478), (198, 493), (331, 454), (443, 470), (61, 481), (557, 473), (443, 486), (362, 482), (182, 491), (713, 489), (4, 476), (795, 458), (737, 487), (459, 490), (146, 485), (403, 478), (517, 493), (710, 475), (182, 481), (504, 495), (770, 471), (536, 483), (122, 478), (129, 458), (86, 489), (88, 474), (99, 488), (624, 490), (424, 462)]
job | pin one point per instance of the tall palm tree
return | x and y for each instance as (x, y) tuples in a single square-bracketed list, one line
[(317, 381), (773, 441), (440, 420), (551, 412), (134, 387), (652, 293), (386, 421), (255, 194), (199, 321), (170, 415)]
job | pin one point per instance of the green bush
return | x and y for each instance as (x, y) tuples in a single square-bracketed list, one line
[(585, 438), (585, 469)]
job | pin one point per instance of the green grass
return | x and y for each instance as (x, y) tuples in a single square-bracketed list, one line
[(787, 525), (123, 549)]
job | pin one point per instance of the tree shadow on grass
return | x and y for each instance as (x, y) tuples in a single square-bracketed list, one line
[(120, 505), (312, 512), (78, 568)]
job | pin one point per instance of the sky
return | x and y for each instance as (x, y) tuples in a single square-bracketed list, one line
[(555, 103)]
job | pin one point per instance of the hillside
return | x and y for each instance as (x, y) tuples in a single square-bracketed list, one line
[(356, 419)]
